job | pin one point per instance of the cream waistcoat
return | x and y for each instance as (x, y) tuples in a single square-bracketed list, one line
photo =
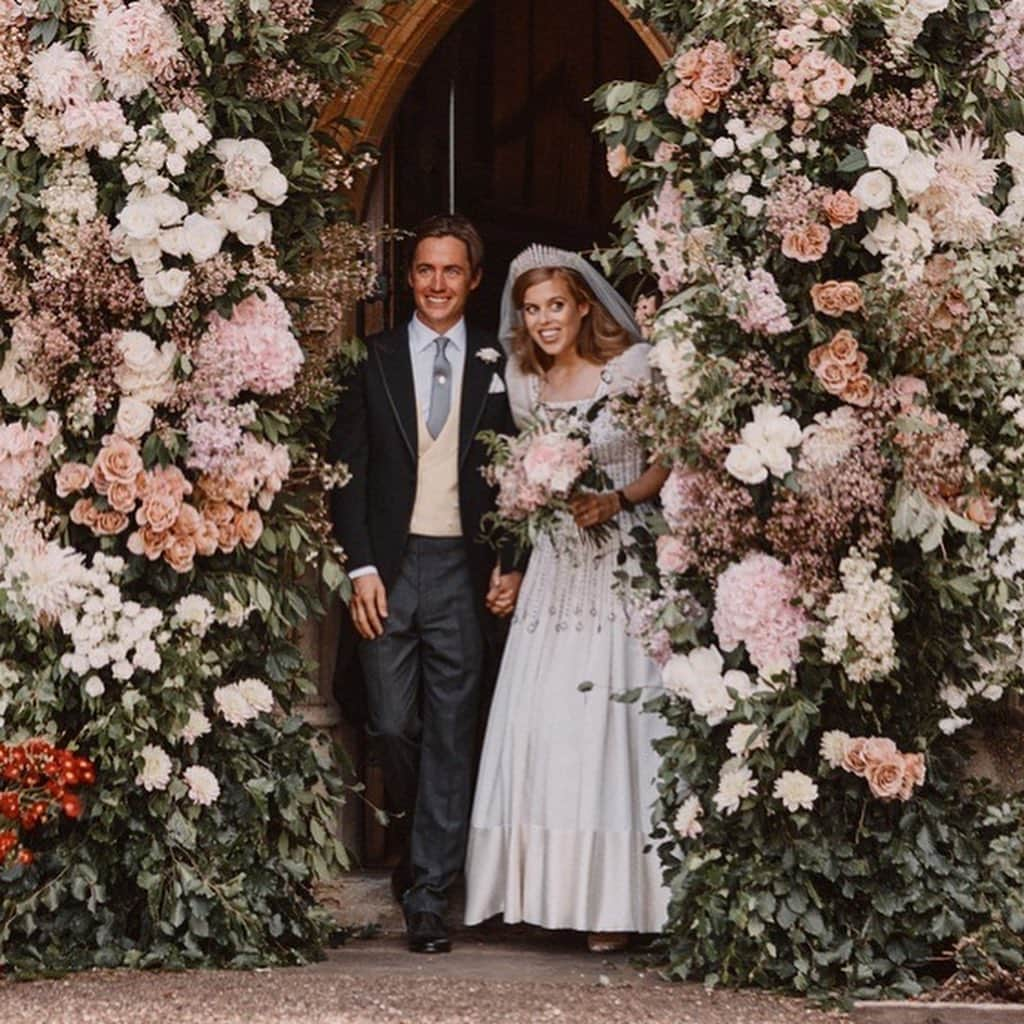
[(436, 510)]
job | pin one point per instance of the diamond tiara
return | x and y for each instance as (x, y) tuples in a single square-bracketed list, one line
[(537, 256)]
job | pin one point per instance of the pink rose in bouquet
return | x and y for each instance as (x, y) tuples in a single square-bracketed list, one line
[(554, 462)]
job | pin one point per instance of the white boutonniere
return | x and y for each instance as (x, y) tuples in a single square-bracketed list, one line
[(488, 355)]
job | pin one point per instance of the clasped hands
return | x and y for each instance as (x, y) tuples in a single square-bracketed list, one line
[(369, 604)]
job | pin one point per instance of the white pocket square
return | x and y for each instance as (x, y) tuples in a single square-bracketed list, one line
[(497, 386)]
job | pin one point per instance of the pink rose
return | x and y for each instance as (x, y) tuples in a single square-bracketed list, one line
[(180, 553), (807, 244), (72, 477)]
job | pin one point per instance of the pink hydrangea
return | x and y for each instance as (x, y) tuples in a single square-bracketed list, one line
[(755, 605), (24, 455), (755, 303), (253, 351)]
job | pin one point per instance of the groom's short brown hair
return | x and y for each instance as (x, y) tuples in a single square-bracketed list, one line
[(452, 225)]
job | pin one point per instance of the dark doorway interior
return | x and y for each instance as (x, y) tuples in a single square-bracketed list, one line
[(505, 95)]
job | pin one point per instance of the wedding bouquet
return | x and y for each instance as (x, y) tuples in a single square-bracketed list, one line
[(537, 473)]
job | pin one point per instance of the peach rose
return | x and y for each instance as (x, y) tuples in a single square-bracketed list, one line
[(218, 512), (180, 554), (110, 523), (122, 496), (236, 493), (816, 356), (118, 460), (84, 512), (148, 542), (227, 536), (709, 98), (249, 525), (979, 509), (859, 391), (843, 348), (158, 511), (212, 487), (806, 245), (834, 298), (206, 537), (72, 477), (188, 520), (853, 758), (914, 774), (683, 104), (618, 160), (833, 375), (688, 64), (840, 208), (885, 777)]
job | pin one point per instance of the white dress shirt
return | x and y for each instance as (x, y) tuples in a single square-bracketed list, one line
[(422, 351)]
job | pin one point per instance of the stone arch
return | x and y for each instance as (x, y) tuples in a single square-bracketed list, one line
[(411, 34)]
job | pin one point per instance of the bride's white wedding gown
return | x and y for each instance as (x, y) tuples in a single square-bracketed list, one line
[(566, 785)]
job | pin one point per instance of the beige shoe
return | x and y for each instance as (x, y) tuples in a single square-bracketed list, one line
[(607, 942)]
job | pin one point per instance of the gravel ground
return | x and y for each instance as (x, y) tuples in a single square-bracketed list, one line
[(377, 981)]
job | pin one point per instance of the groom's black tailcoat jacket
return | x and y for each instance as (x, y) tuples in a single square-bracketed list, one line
[(375, 434)]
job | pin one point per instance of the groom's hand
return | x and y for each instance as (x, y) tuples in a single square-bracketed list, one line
[(369, 606), (503, 592)]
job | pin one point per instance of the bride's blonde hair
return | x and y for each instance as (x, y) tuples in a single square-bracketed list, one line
[(601, 337)]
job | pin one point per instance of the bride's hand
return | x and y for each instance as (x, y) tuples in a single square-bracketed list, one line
[(593, 509)]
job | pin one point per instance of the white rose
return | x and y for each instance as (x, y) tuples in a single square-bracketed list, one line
[(915, 174), (272, 186), (873, 190), (138, 220), (134, 418), (752, 205), (744, 463), (169, 209), (776, 459), (723, 147), (94, 687), (132, 173), (739, 182), (886, 147), (164, 289), (257, 230), (233, 213), (203, 236), (175, 164), (172, 241)]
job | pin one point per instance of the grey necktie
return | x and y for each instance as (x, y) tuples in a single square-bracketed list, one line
[(440, 389)]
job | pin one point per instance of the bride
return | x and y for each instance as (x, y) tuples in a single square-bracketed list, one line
[(561, 814)]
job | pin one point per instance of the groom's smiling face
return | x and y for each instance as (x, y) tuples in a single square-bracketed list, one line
[(441, 278)]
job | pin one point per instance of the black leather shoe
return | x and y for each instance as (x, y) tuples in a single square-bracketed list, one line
[(427, 933)]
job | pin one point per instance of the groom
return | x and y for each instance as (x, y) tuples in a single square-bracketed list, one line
[(423, 581)]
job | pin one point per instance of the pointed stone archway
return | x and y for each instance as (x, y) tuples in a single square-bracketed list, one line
[(412, 32)]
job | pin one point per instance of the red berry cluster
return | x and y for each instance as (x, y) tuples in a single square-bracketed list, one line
[(36, 779)]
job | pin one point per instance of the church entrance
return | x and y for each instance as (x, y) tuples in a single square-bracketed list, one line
[(497, 125), (482, 107)]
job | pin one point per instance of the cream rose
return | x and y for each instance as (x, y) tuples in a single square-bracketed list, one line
[(164, 288), (744, 463), (134, 418), (915, 174), (886, 147), (203, 236), (873, 190)]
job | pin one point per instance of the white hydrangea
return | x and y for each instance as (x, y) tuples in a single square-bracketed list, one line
[(734, 784), (796, 790), (859, 635), (830, 438), (203, 787), (156, 769), (674, 355), (193, 613), (687, 820)]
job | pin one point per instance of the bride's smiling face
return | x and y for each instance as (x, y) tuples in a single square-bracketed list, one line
[(552, 316)]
